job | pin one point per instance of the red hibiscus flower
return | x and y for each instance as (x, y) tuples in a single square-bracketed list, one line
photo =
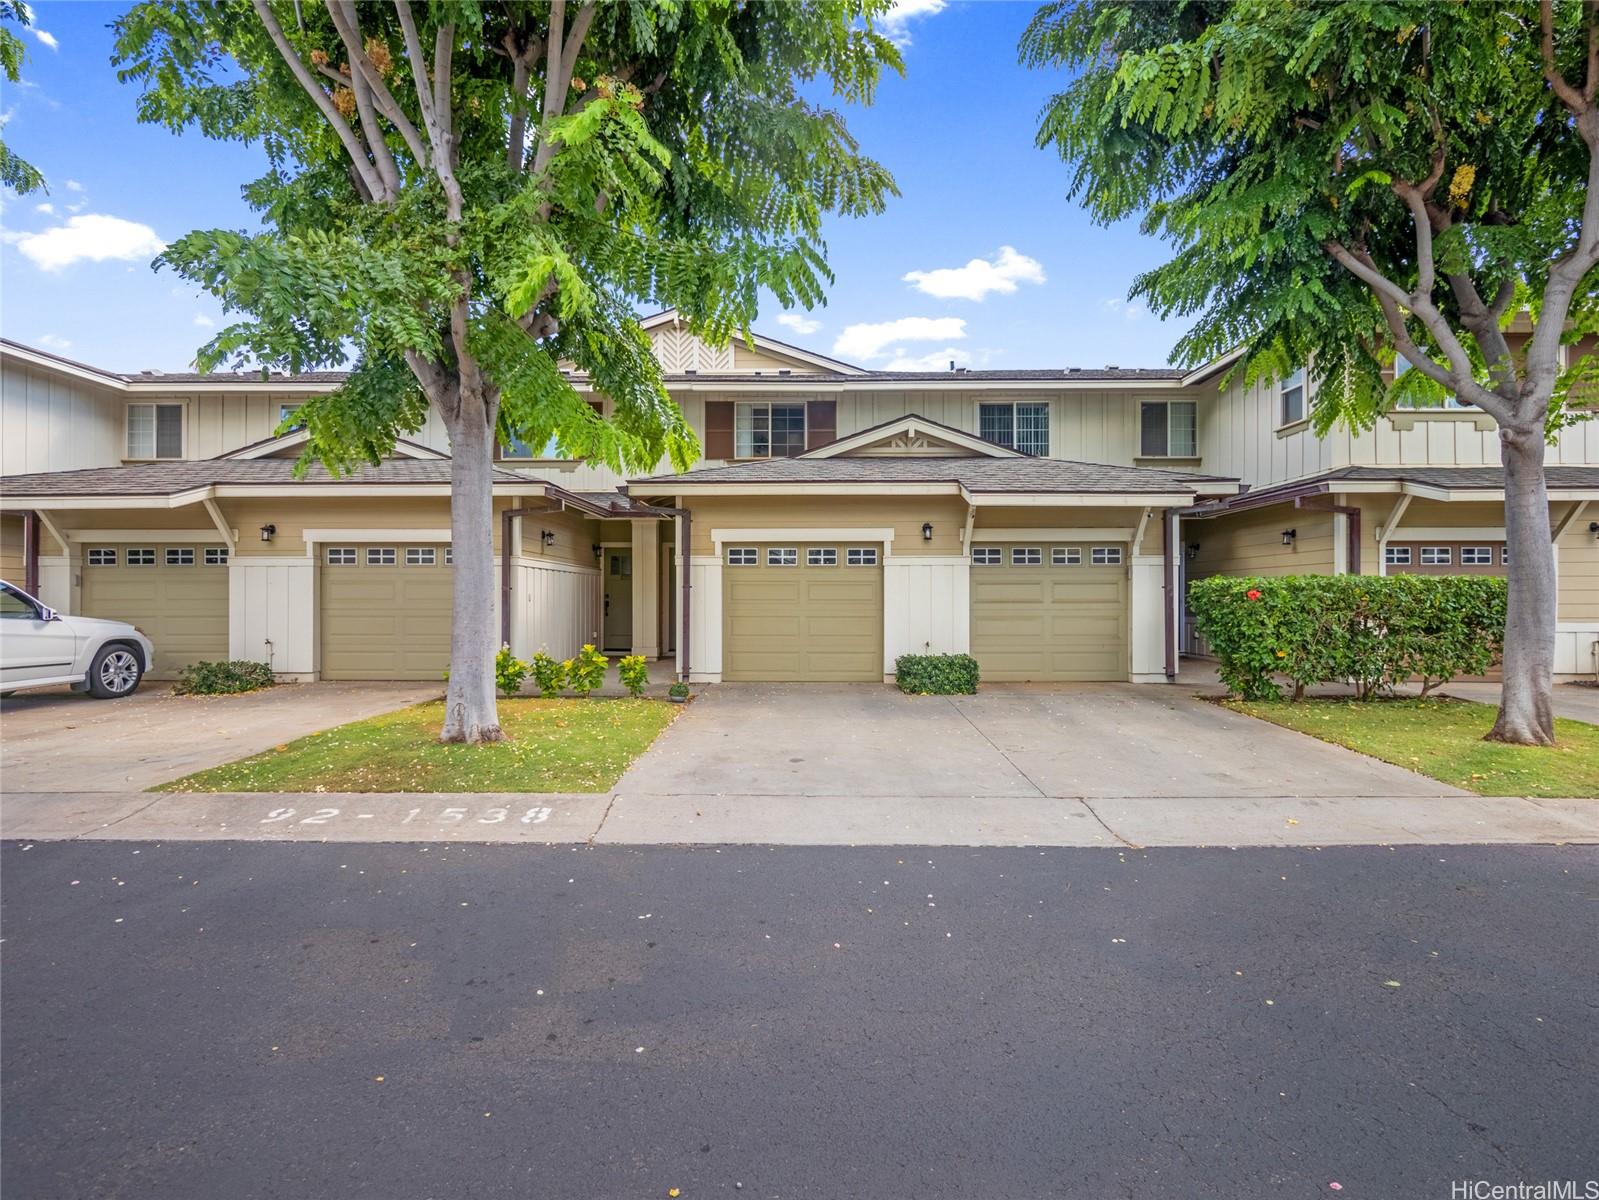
[(1253, 593)]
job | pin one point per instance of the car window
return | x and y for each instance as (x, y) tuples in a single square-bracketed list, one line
[(15, 606)]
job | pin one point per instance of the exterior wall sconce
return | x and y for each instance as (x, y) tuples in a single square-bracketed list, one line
[(268, 532), (927, 531), (1191, 551), (547, 536), (1289, 535), (1593, 528), (597, 549)]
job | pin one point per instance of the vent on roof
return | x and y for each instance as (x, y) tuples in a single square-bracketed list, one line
[(784, 371), (692, 371), (149, 371), (1073, 370), (952, 364), (1112, 367)]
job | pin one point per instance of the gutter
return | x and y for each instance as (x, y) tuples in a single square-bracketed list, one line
[(1169, 569)]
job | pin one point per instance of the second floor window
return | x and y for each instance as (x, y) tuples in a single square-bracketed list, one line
[(286, 413), (1167, 429), (1401, 365), (1291, 406), (768, 430), (1023, 427), (155, 431)]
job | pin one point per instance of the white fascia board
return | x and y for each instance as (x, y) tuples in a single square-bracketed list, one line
[(186, 387), (62, 366), (1082, 500), (240, 490), (691, 490), (956, 383), (78, 503)]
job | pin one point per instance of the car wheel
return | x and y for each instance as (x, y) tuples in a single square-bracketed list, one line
[(114, 673)]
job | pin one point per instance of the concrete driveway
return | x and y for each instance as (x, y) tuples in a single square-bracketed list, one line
[(59, 741)]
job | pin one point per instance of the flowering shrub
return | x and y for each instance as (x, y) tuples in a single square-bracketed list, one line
[(635, 674), (587, 671), (509, 672), (549, 675), (1370, 631)]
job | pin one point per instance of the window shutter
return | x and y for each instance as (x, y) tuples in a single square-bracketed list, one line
[(821, 423), (718, 429)]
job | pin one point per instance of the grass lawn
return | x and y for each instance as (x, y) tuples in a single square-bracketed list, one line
[(549, 746), (1442, 738)]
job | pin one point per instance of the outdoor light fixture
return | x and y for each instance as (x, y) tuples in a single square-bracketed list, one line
[(547, 536), (1593, 528), (1191, 552), (1289, 535), (927, 531), (267, 531), (597, 549)]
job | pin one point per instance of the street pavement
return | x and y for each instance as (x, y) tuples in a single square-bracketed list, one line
[(242, 1020)]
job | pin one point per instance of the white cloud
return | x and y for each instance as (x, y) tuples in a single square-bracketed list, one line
[(896, 21), (204, 322), (51, 342), (45, 38), (798, 322), (936, 360), (1132, 310), (94, 237), (47, 209), (72, 185), (979, 277), (872, 341)]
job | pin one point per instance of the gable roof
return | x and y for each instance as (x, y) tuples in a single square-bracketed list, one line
[(837, 366), (911, 426), (269, 446)]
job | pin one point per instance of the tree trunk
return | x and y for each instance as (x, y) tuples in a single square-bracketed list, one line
[(1526, 706), (470, 714)]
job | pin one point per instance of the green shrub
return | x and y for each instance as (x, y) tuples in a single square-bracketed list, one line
[(635, 674), (223, 678), (587, 671), (509, 672), (1370, 631), (549, 675), (936, 674), (678, 689)]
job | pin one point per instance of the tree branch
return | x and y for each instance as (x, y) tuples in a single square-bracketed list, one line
[(1570, 96), (427, 96), (350, 34), (385, 99)]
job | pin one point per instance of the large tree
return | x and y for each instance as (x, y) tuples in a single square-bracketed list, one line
[(16, 172), (1346, 181), (465, 194)]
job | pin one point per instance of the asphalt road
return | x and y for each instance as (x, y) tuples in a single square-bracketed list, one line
[(224, 1021)]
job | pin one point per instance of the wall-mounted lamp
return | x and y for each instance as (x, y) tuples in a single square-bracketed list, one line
[(1191, 551), (1289, 535), (927, 531), (547, 536), (267, 532), (597, 550), (1593, 528)]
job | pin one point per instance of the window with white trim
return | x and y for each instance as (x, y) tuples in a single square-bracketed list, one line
[(1408, 402), (1026, 556), (341, 556), (768, 430), (449, 556), (102, 558), (821, 557), (1476, 556), (1396, 556), (1291, 398), (782, 556), (1436, 556), (986, 556), (1504, 556), (1066, 556), (1106, 556), (155, 431), (1022, 426), (180, 556), (285, 411), (420, 556), (141, 556), (1168, 429), (743, 556), (216, 556), (861, 558), (380, 556)]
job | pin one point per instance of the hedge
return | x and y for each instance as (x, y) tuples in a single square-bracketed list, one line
[(1373, 632), (936, 674), (223, 678)]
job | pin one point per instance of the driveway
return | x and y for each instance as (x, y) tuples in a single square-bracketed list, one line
[(59, 741)]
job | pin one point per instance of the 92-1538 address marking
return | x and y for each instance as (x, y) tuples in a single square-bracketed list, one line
[(536, 815)]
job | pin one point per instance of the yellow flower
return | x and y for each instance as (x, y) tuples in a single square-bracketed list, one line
[(1282, 654), (1460, 186)]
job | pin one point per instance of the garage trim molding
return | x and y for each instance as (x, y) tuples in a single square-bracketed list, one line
[(312, 536), (886, 536), (1083, 534)]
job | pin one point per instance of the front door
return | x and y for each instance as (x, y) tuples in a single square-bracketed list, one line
[(618, 599)]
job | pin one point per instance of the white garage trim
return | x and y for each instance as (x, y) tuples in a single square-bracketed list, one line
[(124, 536), (886, 536), (1054, 535), (312, 536)]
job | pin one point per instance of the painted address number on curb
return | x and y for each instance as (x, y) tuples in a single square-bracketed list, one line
[(536, 815)]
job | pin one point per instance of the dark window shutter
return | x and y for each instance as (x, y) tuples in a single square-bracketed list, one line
[(718, 429), (598, 406), (821, 423)]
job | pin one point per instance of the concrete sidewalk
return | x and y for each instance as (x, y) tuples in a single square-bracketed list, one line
[(643, 819)]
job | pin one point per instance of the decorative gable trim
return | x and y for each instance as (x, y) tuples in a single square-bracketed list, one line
[(913, 435), (296, 438)]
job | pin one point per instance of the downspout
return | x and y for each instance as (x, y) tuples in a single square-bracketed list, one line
[(685, 573), (1169, 566), (1352, 554), (30, 553)]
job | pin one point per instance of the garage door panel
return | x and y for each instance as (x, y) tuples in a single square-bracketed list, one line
[(386, 622), (183, 610), (1049, 622), (802, 622)]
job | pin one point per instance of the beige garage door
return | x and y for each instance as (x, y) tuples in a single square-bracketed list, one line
[(1049, 612), (385, 612), (176, 594), (804, 613)]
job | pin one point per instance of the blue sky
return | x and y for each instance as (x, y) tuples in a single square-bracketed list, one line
[(1003, 270)]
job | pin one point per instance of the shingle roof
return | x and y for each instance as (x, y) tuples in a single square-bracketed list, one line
[(1037, 375), (1464, 478), (1018, 475), (170, 478)]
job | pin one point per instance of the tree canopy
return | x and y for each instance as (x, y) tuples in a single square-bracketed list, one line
[(16, 172)]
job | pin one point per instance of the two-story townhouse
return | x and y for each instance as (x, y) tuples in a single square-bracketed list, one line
[(1042, 520)]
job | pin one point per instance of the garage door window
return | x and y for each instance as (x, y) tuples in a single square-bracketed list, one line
[(380, 556), (419, 556), (743, 556), (1436, 556), (1107, 556), (1476, 556), (216, 556), (863, 558), (821, 558), (102, 558), (1066, 556), (1027, 556), (341, 556), (180, 556), (1397, 556), (779, 557), (141, 557), (985, 556)]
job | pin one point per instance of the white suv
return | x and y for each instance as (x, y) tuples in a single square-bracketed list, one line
[(40, 647)]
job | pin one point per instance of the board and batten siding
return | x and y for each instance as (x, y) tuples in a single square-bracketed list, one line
[(53, 422), (1251, 543)]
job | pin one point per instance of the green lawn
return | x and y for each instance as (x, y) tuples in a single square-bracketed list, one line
[(550, 746), (1442, 738)]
